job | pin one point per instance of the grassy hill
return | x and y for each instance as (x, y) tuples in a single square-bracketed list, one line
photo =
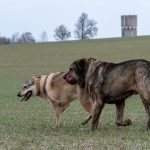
[(30, 125)]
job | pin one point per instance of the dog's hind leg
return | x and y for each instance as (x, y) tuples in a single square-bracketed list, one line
[(148, 113), (147, 109), (87, 119), (144, 92), (120, 114)]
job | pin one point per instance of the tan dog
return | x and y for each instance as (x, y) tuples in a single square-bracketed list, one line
[(56, 91)]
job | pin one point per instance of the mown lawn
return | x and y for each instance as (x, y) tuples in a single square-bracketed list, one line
[(30, 125)]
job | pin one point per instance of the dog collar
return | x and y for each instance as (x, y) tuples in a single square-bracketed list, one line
[(38, 86), (44, 86)]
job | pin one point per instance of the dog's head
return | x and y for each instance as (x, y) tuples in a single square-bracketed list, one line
[(29, 88), (77, 71), (87, 72)]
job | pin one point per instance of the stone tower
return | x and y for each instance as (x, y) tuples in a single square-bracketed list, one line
[(129, 25)]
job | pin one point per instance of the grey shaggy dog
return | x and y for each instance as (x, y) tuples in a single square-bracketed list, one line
[(112, 83)]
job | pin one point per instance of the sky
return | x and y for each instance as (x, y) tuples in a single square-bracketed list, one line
[(37, 16)]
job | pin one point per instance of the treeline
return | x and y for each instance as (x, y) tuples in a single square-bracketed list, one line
[(16, 38), (85, 28)]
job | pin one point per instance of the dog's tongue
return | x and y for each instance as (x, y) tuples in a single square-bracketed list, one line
[(26, 96), (69, 78)]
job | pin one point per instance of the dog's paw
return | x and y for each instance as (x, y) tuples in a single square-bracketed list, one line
[(128, 122), (124, 122), (84, 122), (148, 125), (94, 126)]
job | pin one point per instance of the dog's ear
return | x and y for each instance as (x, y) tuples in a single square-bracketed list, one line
[(81, 69), (88, 61), (91, 59), (36, 77), (80, 64), (95, 74)]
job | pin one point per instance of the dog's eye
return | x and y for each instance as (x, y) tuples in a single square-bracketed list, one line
[(25, 86), (71, 69), (78, 71)]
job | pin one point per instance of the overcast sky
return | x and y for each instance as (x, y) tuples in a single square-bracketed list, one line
[(36, 16)]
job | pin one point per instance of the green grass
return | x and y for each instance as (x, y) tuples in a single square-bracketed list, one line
[(29, 125)]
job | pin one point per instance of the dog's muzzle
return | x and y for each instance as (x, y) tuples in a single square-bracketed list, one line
[(19, 95), (70, 79), (26, 96)]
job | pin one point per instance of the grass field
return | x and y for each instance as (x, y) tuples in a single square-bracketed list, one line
[(29, 125)]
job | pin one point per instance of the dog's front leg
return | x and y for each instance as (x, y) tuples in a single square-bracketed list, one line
[(88, 106), (57, 110), (98, 106), (57, 119)]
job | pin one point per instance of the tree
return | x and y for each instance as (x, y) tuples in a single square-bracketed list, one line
[(43, 36), (4, 40), (26, 38), (62, 33), (85, 28)]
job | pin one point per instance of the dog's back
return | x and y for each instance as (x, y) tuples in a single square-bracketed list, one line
[(58, 89)]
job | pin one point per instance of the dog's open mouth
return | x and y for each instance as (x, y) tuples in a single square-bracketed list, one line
[(70, 79), (26, 96)]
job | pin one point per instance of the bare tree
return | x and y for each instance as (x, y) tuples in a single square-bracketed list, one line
[(85, 28), (26, 38), (44, 36), (62, 33), (4, 40)]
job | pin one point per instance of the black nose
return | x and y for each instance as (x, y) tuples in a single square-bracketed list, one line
[(19, 95), (65, 76)]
